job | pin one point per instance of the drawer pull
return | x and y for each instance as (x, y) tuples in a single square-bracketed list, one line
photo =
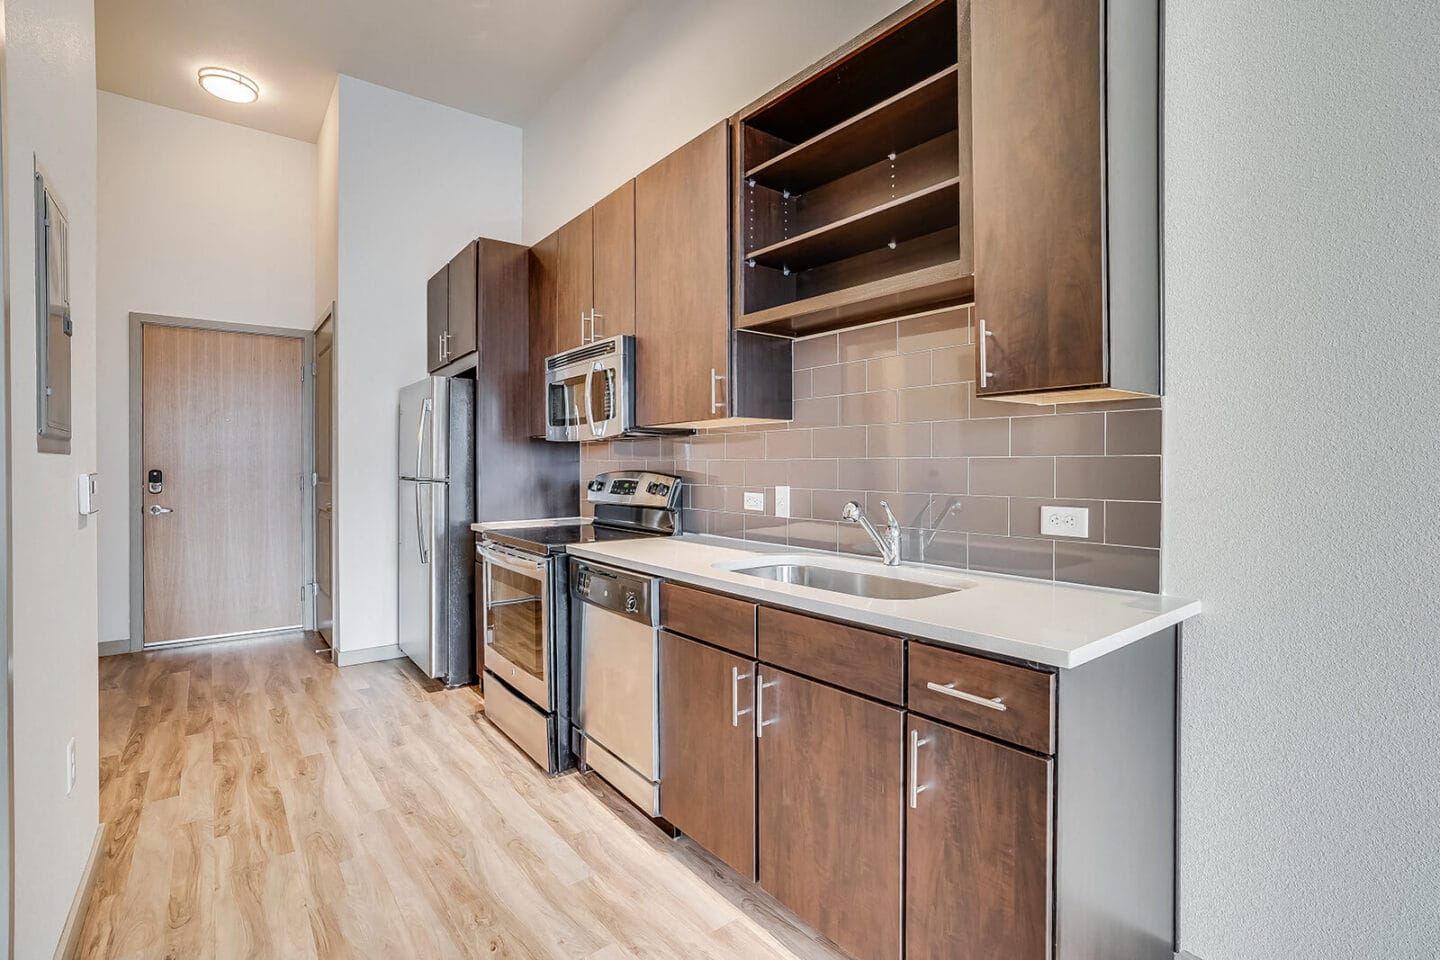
[(949, 690)]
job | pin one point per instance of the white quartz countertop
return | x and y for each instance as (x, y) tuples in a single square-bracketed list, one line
[(1061, 625)]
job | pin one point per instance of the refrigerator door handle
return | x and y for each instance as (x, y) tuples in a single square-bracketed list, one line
[(420, 529), (425, 410)]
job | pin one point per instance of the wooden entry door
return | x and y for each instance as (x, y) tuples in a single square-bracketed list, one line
[(223, 537)]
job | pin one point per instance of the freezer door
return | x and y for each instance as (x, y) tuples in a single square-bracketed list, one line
[(424, 430), (423, 559)]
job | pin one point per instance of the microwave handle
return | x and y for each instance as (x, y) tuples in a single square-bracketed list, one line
[(590, 404)]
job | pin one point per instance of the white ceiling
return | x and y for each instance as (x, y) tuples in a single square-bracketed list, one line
[(496, 58)]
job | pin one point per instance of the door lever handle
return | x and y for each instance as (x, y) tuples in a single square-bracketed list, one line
[(155, 510)]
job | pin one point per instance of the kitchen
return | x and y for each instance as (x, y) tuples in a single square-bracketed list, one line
[(825, 530), (820, 311)]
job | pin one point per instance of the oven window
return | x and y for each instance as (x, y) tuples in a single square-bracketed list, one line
[(516, 607)]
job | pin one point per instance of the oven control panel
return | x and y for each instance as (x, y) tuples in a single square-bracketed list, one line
[(635, 488)]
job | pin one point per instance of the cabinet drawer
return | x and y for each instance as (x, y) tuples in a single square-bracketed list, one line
[(724, 621), (1027, 697), (868, 663)]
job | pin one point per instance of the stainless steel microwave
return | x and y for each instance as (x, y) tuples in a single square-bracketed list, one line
[(590, 391)]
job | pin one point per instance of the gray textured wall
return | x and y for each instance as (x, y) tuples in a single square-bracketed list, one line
[(1302, 456)]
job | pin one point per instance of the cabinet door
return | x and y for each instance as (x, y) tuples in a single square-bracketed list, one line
[(682, 283), (575, 281), (544, 337), (707, 748), (463, 299), (1037, 153), (614, 223), (978, 849), (831, 799), (437, 301)]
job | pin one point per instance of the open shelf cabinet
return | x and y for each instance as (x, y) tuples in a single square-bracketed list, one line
[(853, 195)]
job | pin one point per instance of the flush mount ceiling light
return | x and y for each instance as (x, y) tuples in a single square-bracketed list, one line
[(229, 85)]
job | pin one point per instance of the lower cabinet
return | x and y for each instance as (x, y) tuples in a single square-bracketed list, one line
[(707, 748), (831, 782), (978, 848)]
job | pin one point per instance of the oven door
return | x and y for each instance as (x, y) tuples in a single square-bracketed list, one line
[(517, 625)]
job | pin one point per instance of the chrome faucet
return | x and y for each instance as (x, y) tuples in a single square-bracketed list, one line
[(888, 542)]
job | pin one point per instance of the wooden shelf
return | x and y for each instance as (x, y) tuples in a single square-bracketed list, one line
[(941, 285), (924, 211), (906, 120)]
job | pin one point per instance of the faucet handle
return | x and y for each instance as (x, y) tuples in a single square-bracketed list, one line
[(889, 517), (851, 512)]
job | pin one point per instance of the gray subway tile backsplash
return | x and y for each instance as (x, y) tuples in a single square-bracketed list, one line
[(965, 476)]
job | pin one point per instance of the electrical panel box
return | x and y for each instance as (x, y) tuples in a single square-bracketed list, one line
[(55, 329)]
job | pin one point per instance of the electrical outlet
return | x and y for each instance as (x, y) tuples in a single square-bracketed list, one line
[(782, 501), (755, 501), (1065, 521), (70, 767)]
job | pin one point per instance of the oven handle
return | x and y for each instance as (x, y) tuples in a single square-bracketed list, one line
[(511, 561)]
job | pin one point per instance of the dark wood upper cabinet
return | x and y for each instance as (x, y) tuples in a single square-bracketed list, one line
[(574, 281), (1067, 273), (544, 323), (978, 848), (707, 748), (437, 309), (689, 369), (853, 181), (462, 295), (682, 277), (613, 223), (831, 799)]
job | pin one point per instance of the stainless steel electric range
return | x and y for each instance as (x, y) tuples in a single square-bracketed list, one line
[(537, 679)]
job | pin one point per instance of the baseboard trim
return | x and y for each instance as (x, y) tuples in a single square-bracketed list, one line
[(111, 648), (69, 943), (349, 658)]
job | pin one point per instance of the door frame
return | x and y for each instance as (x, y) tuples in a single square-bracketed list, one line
[(138, 322), (312, 613)]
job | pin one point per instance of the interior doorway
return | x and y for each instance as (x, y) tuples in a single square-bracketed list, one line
[(222, 535)]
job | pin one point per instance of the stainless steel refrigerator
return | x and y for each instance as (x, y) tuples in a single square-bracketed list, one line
[(436, 508)]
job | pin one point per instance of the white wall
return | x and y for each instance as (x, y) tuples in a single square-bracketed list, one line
[(1302, 458), (327, 206), (199, 219), (672, 69), (50, 104), (417, 181)]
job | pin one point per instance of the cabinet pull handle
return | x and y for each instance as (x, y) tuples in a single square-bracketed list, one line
[(583, 338), (985, 373), (735, 712), (716, 379), (594, 315), (915, 788), (948, 689), (441, 342), (760, 721)]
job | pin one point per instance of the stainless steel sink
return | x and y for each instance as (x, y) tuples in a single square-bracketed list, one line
[(853, 582)]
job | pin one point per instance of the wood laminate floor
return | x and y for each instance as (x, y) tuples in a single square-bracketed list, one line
[(263, 803)]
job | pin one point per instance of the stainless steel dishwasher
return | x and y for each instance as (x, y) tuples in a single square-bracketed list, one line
[(616, 708)]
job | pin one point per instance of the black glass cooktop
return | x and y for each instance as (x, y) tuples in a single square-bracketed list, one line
[(555, 537)]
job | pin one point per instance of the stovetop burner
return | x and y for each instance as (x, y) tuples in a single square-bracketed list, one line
[(628, 504)]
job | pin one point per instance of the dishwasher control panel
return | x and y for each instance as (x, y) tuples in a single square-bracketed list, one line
[(624, 593)]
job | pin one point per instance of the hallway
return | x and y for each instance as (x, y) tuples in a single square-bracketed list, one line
[(262, 803)]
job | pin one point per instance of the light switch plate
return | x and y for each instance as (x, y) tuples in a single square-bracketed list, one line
[(755, 501), (1065, 521), (782, 501)]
